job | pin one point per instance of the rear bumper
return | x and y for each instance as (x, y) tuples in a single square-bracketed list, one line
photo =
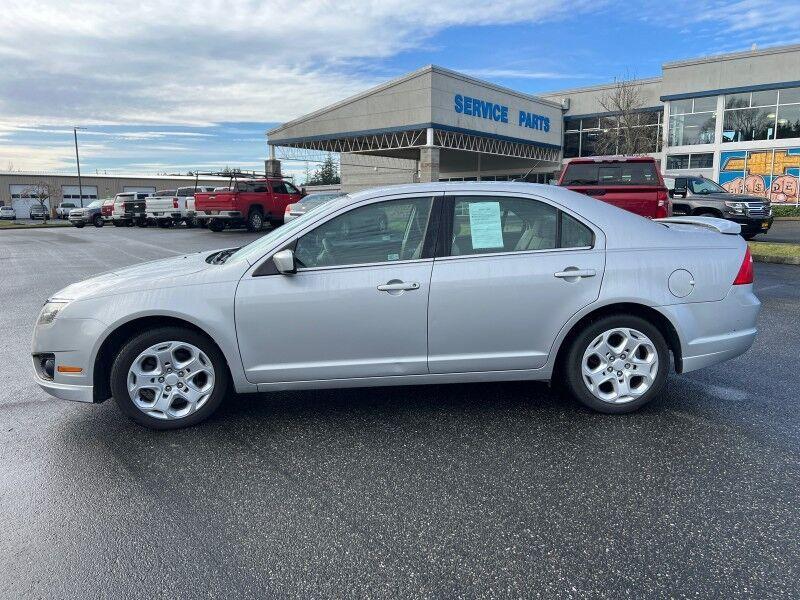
[(220, 214), (713, 332)]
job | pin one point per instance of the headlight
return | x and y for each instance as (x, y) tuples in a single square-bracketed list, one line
[(736, 206), (50, 311)]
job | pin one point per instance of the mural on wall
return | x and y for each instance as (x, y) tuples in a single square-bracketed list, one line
[(773, 174)]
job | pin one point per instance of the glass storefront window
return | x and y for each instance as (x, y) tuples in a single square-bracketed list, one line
[(691, 129), (705, 104), (680, 107), (678, 161), (789, 121), (571, 144), (790, 95), (704, 160), (767, 98), (748, 124)]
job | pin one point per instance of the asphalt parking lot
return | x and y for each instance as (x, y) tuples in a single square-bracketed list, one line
[(489, 490)]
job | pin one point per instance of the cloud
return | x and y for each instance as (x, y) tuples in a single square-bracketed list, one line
[(171, 62)]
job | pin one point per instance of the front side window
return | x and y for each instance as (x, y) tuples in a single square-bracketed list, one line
[(705, 186), (278, 187), (485, 225), (290, 189), (380, 232)]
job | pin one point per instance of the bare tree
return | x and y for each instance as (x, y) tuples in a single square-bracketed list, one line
[(43, 192), (621, 132)]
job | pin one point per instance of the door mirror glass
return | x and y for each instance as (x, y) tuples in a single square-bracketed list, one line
[(284, 262), (680, 189)]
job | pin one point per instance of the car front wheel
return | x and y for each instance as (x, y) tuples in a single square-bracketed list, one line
[(169, 378), (617, 364)]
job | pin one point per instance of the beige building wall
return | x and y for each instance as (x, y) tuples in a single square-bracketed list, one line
[(107, 185)]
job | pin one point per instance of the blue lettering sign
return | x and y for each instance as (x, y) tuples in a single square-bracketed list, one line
[(498, 112)]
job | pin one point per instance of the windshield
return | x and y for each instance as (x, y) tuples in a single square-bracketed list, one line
[(256, 249), (705, 186), (95, 204)]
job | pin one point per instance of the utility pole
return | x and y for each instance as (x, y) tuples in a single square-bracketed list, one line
[(78, 161)]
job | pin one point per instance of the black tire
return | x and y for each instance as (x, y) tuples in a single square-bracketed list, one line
[(749, 236), (190, 223), (216, 225), (571, 367), (164, 223), (255, 220), (98, 221), (79, 224), (707, 213), (139, 343)]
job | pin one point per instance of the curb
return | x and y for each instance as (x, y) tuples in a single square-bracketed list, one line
[(778, 260), (34, 226)]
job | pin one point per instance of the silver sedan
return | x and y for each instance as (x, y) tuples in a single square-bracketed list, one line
[(461, 282)]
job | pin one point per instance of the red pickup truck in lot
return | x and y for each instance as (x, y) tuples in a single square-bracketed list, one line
[(251, 202), (634, 184)]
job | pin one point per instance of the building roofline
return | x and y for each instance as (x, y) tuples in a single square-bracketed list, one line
[(109, 176), (731, 56), (601, 86), (402, 79)]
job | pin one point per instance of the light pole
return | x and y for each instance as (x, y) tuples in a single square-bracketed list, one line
[(78, 161)]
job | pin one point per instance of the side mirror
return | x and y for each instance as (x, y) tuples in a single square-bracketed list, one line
[(284, 262), (680, 190), (303, 192)]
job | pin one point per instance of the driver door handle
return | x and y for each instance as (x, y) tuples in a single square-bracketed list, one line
[(576, 273), (398, 286)]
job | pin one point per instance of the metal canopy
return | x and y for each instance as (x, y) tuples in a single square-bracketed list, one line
[(398, 144)]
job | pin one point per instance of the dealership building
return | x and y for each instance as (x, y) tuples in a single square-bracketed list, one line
[(734, 118)]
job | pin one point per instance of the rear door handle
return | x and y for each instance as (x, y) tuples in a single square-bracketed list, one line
[(398, 286), (575, 273)]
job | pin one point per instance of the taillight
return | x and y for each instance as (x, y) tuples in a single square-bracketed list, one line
[(745, 274), (288, 209), (174, 203), (663, 205)]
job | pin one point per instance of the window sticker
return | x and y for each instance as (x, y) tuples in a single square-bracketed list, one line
[(484, 223)]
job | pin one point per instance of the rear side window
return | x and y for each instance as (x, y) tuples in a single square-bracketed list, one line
[(485, 225), (631, 173)]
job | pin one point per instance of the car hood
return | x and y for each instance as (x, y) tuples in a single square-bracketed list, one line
[(158, 273), (732, 197)]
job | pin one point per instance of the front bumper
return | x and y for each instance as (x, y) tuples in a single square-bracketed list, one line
[(713, 332), (80, 219), (753, 225), (71, 342)]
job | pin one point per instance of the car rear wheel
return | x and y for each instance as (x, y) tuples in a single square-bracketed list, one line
[(169, 378), (617, 364), (79, 224), (216, 225), (97, 221), (255, 221)]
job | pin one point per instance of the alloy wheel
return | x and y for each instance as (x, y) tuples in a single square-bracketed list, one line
[(619, 365), (170, 380)]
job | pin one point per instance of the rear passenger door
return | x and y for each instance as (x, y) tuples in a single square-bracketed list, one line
[(509, 272)]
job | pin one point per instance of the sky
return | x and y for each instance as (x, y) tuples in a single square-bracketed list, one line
[(169, 86)]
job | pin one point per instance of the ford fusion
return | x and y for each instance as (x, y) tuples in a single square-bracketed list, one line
[(428, 283)]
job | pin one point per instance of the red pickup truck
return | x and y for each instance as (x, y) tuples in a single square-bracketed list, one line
[(634, 184), (249, 202)]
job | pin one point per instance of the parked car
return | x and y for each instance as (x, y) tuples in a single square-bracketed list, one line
[(39, 212), (129, 209), (306, 203), (7, 213), (62, 210), (696, 195), (536, 283), (107, 210), (250, 202), (192, 220), (90, 213), (634, 184)]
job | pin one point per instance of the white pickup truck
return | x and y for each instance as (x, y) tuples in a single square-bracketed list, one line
[(170, 207)]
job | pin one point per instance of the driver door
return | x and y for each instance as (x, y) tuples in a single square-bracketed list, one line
[(357, 306)]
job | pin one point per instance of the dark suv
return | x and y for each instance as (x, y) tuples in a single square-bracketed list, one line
[(697, 195)]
